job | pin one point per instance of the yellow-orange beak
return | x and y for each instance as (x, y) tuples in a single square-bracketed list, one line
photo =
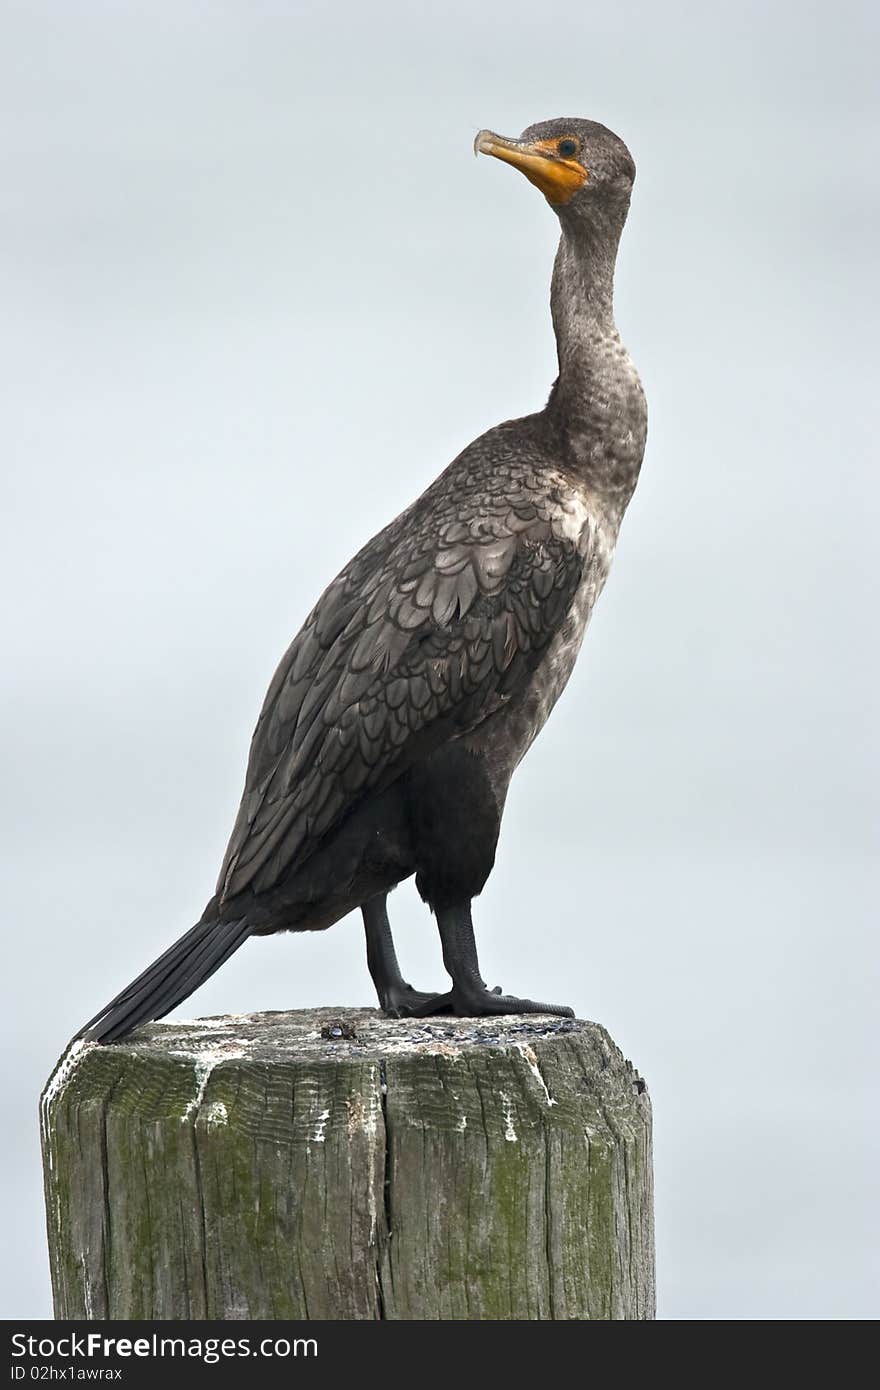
[(558, 178)]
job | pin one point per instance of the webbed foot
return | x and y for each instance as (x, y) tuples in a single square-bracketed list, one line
[(402, 1001), (473, 1002), (406, 1002)]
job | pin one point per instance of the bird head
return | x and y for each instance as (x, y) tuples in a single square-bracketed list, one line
[(578, 165)]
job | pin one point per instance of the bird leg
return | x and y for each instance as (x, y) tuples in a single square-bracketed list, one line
[(469, 996), (396, 997)]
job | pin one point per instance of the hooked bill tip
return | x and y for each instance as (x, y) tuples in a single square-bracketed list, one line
[(481, 138)]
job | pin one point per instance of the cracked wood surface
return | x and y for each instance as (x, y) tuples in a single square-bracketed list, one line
[(333, 1163)]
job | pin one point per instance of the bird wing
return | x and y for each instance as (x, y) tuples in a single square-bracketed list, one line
[(436, 623)]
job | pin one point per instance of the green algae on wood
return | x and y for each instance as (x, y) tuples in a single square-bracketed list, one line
[(279, 1166)]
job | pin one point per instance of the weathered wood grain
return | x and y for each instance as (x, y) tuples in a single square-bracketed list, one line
[(249, 1167)]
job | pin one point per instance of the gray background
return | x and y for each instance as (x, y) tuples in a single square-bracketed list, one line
[(256, 294)]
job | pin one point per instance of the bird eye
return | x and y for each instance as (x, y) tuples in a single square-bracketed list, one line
[(567, 148)]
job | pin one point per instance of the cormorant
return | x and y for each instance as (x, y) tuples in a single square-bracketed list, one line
[(394, 723)]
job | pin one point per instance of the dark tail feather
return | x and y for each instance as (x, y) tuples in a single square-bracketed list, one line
[(168, 981)]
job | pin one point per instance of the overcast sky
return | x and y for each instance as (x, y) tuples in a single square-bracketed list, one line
[(256, 294)]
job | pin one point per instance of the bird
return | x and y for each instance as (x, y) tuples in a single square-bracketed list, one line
[(395, 721)]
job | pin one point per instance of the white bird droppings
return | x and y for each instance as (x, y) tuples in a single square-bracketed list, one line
[(57, 1082), (528, 1056), (205, 1060), (509, 1131)]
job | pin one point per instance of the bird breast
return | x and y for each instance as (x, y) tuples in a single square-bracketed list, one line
[(505, 739), (598, 537)]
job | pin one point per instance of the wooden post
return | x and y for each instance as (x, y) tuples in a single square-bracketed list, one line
[(333, 1163)]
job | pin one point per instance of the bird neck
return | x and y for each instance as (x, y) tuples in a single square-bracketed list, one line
[(597, 381), (582, 303), (582, 291)]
